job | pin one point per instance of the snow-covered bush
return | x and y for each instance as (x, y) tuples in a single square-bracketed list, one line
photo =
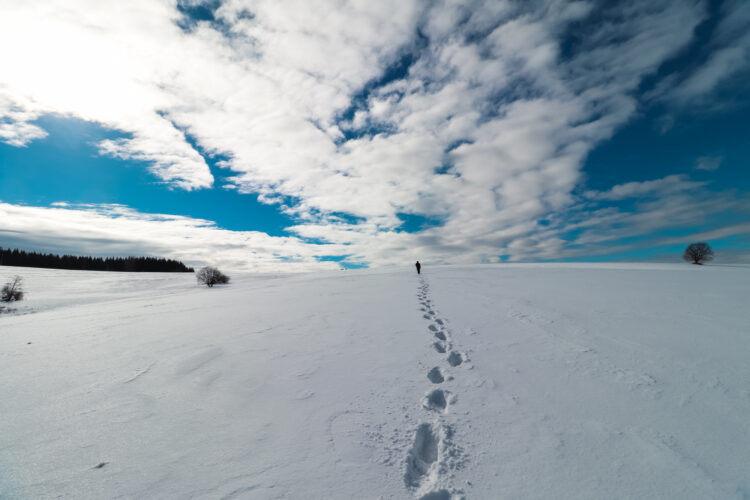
[(211, 276), (12, 291)]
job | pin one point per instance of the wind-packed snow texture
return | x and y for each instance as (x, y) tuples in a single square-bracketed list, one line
[(485, 382)]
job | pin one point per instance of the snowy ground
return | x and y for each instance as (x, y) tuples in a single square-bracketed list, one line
[(556, 381)]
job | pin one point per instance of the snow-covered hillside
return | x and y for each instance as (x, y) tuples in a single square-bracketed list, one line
[(512, 381)]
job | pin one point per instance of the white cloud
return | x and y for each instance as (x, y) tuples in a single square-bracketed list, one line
[(729, 55), (714, 234), (660, 187), (492, 95), (102, 62), (601, 224), (106, 230), (723, 63), (15, 118), (708, 163)]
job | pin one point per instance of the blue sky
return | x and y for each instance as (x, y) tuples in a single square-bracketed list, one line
[(65, 166), (269, 136)]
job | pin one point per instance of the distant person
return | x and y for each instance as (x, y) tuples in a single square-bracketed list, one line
[(419, 268)]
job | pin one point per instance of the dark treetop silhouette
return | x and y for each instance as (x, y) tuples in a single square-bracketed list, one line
[(21, 258), (698, 253)]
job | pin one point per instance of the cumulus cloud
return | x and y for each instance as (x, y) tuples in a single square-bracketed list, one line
[(112, 64), (479, 114)]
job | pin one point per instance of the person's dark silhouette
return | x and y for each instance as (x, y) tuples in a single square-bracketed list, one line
[(419, 268)]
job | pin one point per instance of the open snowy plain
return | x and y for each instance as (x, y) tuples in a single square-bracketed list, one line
[(478, 382)]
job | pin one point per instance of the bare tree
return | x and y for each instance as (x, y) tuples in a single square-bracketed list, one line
[(698, 253), (12, 292), (211, 276)]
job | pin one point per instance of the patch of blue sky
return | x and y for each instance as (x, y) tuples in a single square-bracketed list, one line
[(67, 167), (571, 235), (195, 12), (343, 262), (657, 253), (316, 241), (668, 253), (333, 258), (640, 151), (444, 169), (413, 223), (649, 247), (198, 11), (347, 218), (458, 143), (354, 265), (369, 130), (664, 139)]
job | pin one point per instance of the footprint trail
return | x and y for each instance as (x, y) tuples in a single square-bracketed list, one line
[(433, 454)]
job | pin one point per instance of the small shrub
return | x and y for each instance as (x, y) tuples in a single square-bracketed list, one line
[(211, 276), (12, 291)]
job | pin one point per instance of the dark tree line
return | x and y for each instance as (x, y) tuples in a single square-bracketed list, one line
[(21, 258)]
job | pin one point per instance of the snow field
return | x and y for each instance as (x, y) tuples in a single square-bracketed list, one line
[(517, 381)]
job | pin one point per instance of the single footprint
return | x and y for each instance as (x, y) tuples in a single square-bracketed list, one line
[(436, 376), (436, 400), (441, 336), (432, 328), (455, 358), (439, 321), (423, 453), (439, 347), (426, 316)]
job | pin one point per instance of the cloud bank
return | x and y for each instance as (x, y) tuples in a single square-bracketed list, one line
[(354, 115), (104, 230)]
